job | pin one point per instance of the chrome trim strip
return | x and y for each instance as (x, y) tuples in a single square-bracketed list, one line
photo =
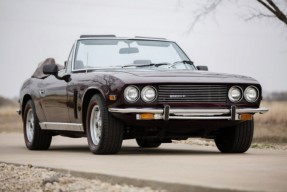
[(201, 111), (251, 110), (198, 114), (62, 126), (74, 52), (135, 110), (195, 114), (201, 118)]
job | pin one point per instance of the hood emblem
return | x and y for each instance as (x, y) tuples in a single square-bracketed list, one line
[(177, 96)]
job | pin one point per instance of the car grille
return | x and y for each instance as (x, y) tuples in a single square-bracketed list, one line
[(192, 93)]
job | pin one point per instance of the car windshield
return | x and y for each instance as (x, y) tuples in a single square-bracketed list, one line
[(123, 53)]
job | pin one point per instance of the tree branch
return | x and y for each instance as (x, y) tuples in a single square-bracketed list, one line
[(206, 10), (271, 6), (259, 15), (266, 6), (211, 6)]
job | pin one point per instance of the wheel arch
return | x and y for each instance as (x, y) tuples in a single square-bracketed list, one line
[(25, 100), (88, 94)]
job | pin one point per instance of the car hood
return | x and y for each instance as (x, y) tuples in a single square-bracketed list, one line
[(180, 76)]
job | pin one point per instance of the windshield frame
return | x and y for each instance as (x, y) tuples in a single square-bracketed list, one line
[(117, 38)]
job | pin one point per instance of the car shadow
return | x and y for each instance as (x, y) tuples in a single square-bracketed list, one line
[(71, 148), (127, 150), (134, 150)]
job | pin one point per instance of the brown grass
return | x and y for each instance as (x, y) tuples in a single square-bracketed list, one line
[(269, 128), (10, 121), (277, 114)]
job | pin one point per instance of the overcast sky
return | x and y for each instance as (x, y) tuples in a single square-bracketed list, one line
[(32, 30)]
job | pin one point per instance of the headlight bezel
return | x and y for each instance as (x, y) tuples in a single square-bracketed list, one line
[(245, 92), (241, 94), (143, 92), (125, 94)]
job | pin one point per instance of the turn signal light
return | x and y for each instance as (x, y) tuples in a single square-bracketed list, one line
[(145, 116), (112, 97), (245, 116)]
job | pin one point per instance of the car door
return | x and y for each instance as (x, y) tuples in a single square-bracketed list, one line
[(53, 95)]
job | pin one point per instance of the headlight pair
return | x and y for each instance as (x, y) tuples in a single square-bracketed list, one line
[(250, 94), (132, 94)]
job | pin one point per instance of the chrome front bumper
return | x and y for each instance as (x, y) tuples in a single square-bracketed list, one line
[(167, 113)]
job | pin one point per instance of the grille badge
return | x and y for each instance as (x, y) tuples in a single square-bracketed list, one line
[(177, 96)]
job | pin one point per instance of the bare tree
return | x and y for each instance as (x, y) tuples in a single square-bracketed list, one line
[(275, 11), (273, 8), (208, 8)]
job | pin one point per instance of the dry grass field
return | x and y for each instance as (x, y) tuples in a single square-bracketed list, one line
[(10, 121), (270, 128)]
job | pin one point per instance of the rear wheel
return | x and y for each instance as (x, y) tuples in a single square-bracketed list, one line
[(35, 138), (104, 132), (235, 139), (147, 143)]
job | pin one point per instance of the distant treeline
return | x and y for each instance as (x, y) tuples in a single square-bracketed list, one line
[(276, 96), (7, 102)]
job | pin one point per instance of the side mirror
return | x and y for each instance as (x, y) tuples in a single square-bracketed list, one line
[(51, 69), (202, 68)]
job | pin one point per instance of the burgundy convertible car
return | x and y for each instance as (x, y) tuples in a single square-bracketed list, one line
[(147, 89)]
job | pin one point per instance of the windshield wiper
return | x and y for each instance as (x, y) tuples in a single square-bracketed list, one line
[(145, 65), (183, 61), (158, 64)]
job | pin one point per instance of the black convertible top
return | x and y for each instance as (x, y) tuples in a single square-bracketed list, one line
[(39, 71)]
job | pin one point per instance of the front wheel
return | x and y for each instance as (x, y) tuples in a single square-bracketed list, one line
[(104, 132), (35, 138), (236, 139)]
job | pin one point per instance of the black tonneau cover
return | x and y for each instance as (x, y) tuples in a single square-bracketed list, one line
[(39, 71)]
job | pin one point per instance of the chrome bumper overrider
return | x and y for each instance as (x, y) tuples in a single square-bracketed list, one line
[(167, 113)]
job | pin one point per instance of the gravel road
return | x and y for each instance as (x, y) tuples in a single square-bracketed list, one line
[(29, 178)]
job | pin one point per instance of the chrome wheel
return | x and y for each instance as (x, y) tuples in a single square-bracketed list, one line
[(96, 125), (30, 127)]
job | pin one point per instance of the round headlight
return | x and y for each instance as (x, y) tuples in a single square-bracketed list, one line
[(235, 94), (131, 94), (251, 94), (148, 94)]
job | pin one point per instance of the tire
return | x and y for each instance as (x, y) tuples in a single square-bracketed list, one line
[(147, 143), (104, 132), (235, 139), (35, 138)]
